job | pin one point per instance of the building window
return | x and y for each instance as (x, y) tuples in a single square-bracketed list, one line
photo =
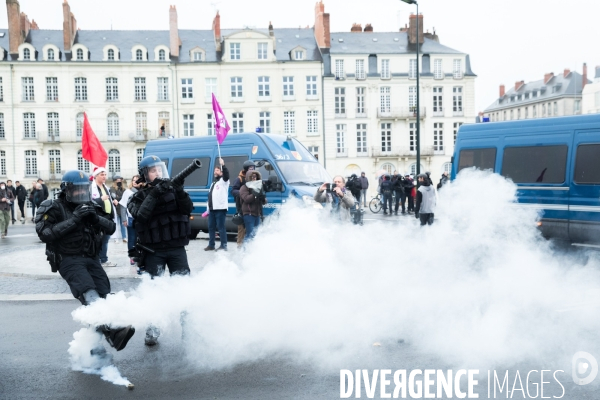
[(361, 110), (457, 69), (361, 139), (50, 54), (188, 124), (112, 89), (360, 69), (512, 115), (289, 122), (412, 137), (51, 89), (311, 86), (163, 89), (111, 55), (526, 112), (412, 99), (29, 126), (54, 161), (518, 113), (139, 155), (113, 126), (26, 54), (388, 167), (31, 163), (82, 163), (234, 51), (2, 135), (438, 137), (264, 87), (2, 163), (187, 89), (526, 96), (385, 69), (340, 101), (576, 106), (162, 56), (79, 125), (385, 100), (339, 69), (53, 128), (288, 87), (236, 88), (455, 128), (27, 84), (299, 55), (412, 69), (164, 123), (534, 108), (438, 100), (210, 87), (413, 169), (555, 108), (139, 56), (262, 51), (314, 150), (141, 125), (534, 93), (386, 137), (504, 117), (438, 73), (264, 121), (210, 124), (237, 122), (79, 54), (1, 90), (457, 103), (340, 139), (140, 89), (80, 89), (543, 110), (549, 109), (197, 56), (312, 122), (114, 161), (447, 167)]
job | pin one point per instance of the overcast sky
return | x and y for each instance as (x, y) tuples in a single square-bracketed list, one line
[(508, 40)]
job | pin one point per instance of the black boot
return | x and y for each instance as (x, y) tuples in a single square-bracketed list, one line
[(117, 337)]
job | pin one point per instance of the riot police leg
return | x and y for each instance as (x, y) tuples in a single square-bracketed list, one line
[(177, 261)]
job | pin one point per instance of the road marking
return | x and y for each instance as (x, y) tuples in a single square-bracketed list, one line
[(22, 235)]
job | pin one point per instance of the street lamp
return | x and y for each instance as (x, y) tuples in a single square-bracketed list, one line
[(418, 108)]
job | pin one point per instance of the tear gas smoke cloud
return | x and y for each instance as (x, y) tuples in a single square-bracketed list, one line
[(479, 287)]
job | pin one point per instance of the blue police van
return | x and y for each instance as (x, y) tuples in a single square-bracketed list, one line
[(286, 166), (555, 163)]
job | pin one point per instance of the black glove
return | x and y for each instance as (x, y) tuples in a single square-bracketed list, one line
[(417, 215), (161, 186), (82, 211), (93, 218), (176, 186)]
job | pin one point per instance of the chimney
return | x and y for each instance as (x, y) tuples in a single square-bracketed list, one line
[(271, 33), (584, 78), (567, 72), (174, 41), (322, 34), (412, 29), (518, 85), (34, 25), (356, 28), (18, 27), (217, 30), (502, 91), (69, 27), (548, 76), (368, 28)]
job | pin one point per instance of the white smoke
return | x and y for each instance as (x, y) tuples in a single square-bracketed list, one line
[(478, 287)]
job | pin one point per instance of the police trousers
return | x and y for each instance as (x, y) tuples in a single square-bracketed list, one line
[(83, 274), (175, 259)]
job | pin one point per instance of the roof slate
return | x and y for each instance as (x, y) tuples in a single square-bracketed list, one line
[(363, 43)]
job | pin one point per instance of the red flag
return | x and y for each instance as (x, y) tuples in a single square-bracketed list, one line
[(91, 148)]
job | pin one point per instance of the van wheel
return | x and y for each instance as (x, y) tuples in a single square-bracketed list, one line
[(194, 234)]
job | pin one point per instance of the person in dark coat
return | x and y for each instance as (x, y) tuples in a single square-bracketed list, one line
[(21, 197), (398, 187), (9, 186), (443, 180), (385, 189), (408, 189), (45, 192), (6, 199), (253, 198), (235, 192), (364, 182)]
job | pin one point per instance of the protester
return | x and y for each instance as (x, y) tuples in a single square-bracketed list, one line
[(37, 198), (364, 182), (45, 193), (101, 196), (253, 198), (426, 200), (217, 206), (385, 189), (11, 188), (408, 190), (116, 192), (235, 192), (336, 195), (398, 188), (21, 197), (443, 180), (32, 197), (6, 199), (73, 228), (126, 216)]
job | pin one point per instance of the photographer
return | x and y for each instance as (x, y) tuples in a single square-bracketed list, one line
[(253, 198), (338, 196), (354, 186)]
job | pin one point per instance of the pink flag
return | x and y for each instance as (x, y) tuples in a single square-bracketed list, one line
[(221, 125)]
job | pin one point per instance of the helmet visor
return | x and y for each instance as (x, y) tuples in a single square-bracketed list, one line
[(157, 170), (78, 193)]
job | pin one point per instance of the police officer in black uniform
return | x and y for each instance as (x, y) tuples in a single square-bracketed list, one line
[(161, 211), (72, 229)]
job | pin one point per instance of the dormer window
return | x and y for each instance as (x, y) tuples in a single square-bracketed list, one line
[(50, 54), (534, 93), (262, 51), (161, 55), (234, 51), (139, 55), (299, 55), (26, 54), (197, 56), (111, 55), (79, 55)]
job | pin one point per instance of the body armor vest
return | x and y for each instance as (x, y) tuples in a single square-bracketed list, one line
[(84, 240), (167, 227)]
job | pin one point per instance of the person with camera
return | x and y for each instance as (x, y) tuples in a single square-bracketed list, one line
[(6, 200), (101, 196), (385, 189), (426, 200), (235, 192), (73, 227), (253, 197), (336, 194), (398, 188), (443, 180), (354, 186), (218, 205)]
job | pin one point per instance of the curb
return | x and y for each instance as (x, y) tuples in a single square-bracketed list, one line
[(57, 276)]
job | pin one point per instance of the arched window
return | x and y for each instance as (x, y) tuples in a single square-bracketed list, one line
[(82, 164), (413, 169), (79, 125), (161, 55), (139, 56), (50, 54), (114, 161), (113, 126), (80, 54), (26, 54), (388, 167), (447, 167), (111, 54)]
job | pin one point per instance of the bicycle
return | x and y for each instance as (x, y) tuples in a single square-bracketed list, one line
[(376, 203)]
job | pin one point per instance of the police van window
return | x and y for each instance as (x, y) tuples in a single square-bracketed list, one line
[(535, 164), (478, 158), (199, 177), (234, 164), (166, 161), (587, 164), (268, 173)]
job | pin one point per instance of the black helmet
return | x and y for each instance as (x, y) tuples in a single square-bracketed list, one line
[(247, 164), (75, 186), (152, 164)]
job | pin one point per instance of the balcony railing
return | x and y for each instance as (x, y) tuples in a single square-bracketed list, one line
[(361, 112), (401, 112), (400, 151), (103, 136), (51, 175)]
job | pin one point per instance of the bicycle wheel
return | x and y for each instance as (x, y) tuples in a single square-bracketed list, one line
[(375, 205)]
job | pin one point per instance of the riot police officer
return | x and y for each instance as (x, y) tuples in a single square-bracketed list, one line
[(72, 229), (161, 210)]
